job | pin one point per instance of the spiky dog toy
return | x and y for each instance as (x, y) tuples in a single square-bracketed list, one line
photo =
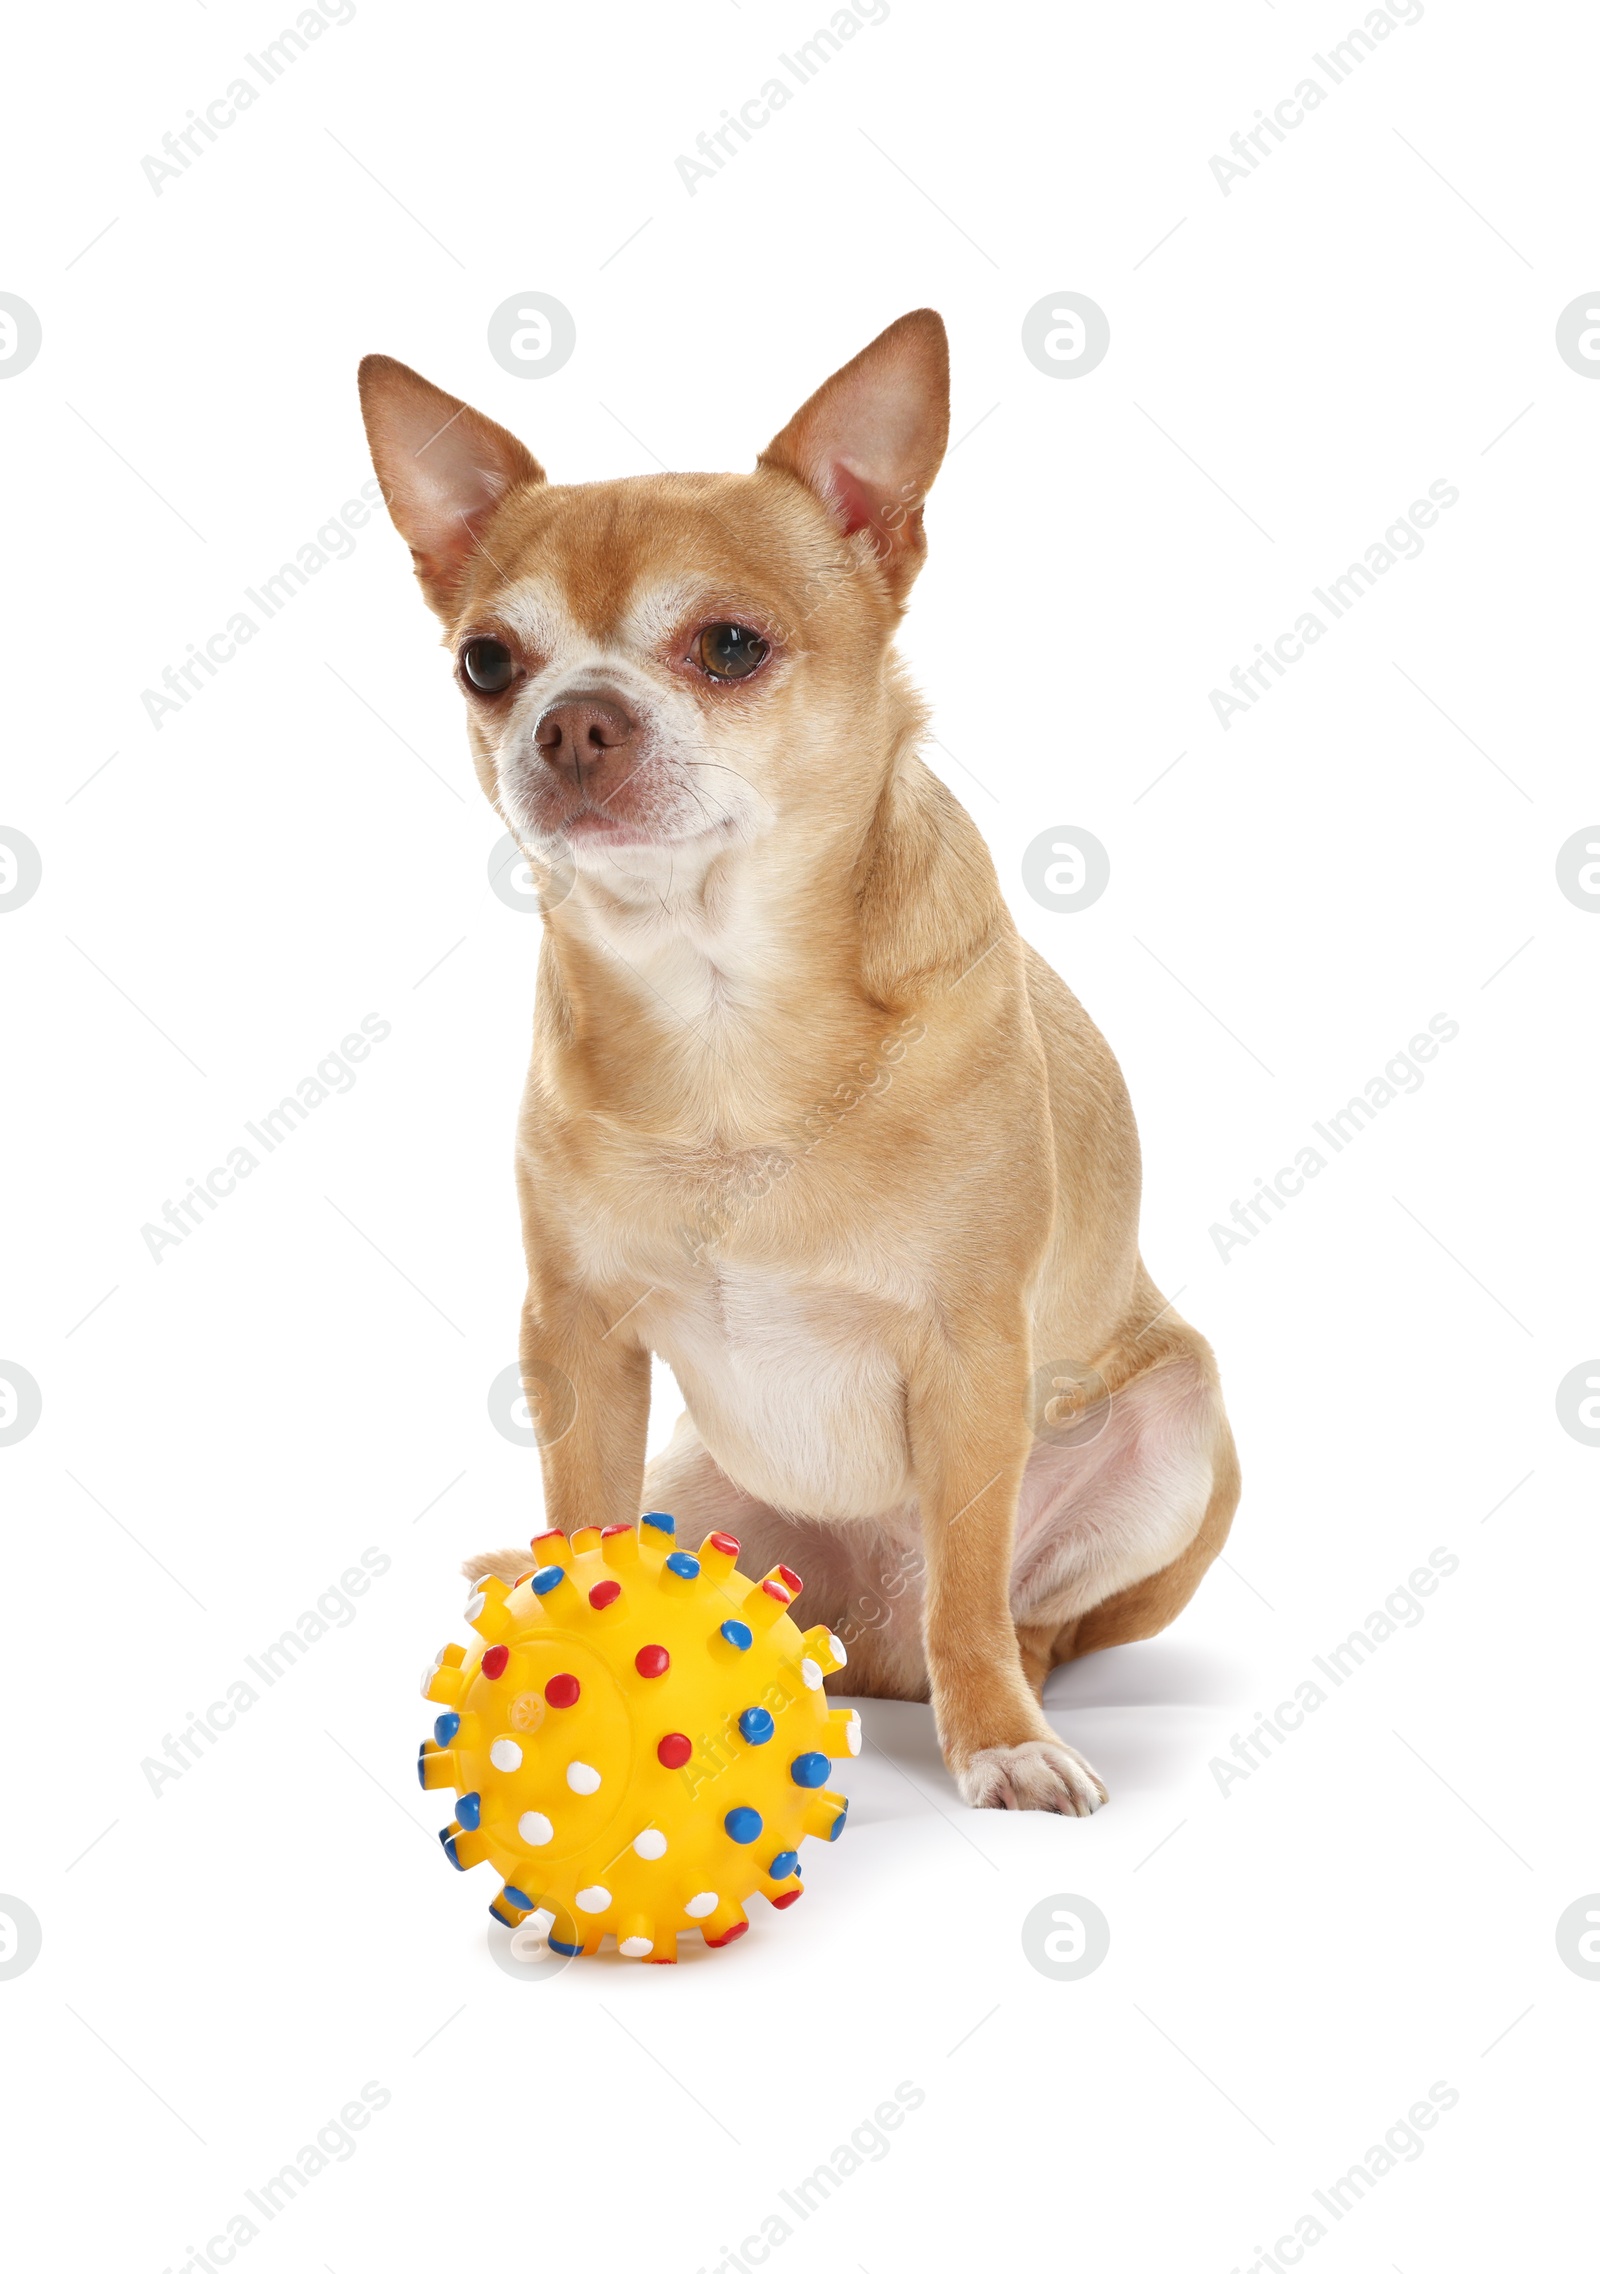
[(639, 1742)]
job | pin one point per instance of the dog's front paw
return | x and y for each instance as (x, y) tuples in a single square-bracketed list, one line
[(508, 1564), (1044, 1773)]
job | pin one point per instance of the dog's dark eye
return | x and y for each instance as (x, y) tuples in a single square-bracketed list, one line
[(488, 666), (730, 651)]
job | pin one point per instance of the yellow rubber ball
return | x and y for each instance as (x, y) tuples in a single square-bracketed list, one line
[(640, 1740)]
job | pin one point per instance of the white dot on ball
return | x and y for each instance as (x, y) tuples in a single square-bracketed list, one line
[(429, 1671), (474, 1606), (650, 1844), (582, 1778), (535, 1829), (506, 1753), (838, 1649), (635, 1946), (700, 1906), (811, 1673), (593, 1898), (852, 1733)]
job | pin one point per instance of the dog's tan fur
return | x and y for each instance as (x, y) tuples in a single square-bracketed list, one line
[(805, 1115)]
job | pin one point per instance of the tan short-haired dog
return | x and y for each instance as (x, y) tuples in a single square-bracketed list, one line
[(805, 1115)]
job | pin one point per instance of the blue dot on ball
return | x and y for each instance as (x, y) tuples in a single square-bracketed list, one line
[(755, 1725), (838, 1822), (809, 1768), (685, 1566), (782, 1864), (743, 1825), (547, 1576), (445, 1727), (736, 1632), (469, 1811), (661, 1523)]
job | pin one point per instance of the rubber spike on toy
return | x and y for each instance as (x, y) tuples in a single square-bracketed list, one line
[(463, 1847), (824, 1816), (766, 1602), (443, 1682), (726, 1923), (437, 1768), (552, 1588), (486, 1607), (637, 1935), (719, 1557), (824, 1649)]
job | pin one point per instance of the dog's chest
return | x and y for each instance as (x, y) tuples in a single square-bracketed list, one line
[(778, 1324), (794, 1387)]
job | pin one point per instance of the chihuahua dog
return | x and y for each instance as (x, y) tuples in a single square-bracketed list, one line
[(805, 1115)]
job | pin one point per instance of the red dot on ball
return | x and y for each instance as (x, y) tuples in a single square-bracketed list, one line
[(715, 1942), (782, 1902), (562, 1690), (494, 1661), (610, 1531), (778, 1594), (791, 1579), (673, 1750), (654, 1659), (724, 1543), (604, 1591)]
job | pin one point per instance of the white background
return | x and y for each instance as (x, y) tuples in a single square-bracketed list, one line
[(1372, 1910)]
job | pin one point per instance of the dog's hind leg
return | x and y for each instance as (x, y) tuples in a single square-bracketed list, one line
[(1150, 1604), (1116, 1532)]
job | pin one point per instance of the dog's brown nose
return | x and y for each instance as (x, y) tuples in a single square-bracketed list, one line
[(583, 733)]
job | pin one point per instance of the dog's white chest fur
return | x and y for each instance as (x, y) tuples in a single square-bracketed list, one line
[(793, 1389), (791, 1383)]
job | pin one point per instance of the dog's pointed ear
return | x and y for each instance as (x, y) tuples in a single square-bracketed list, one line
[(870, 440), (443, 469)]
